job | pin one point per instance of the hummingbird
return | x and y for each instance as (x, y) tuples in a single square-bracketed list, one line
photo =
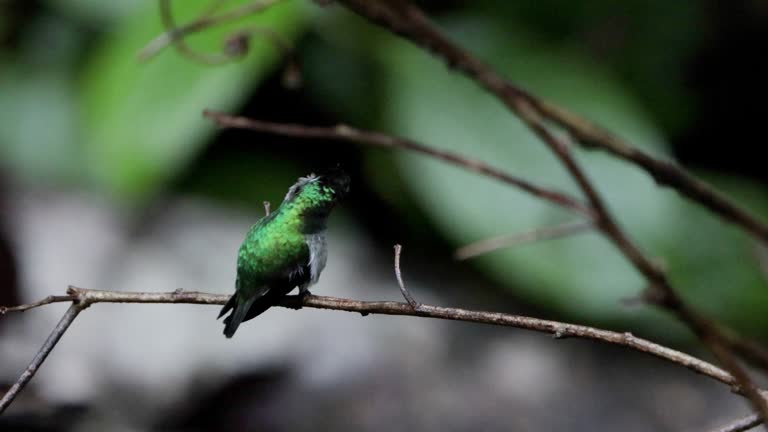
[(285, 249)]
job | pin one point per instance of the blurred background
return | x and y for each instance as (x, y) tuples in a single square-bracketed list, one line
[(110, 178)]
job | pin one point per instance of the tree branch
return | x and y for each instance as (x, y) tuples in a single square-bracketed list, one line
[(742, 424), (407, 20), (83, 298), (402, 17), (58, 331), (666, 173), (349, 134), (175, 35)]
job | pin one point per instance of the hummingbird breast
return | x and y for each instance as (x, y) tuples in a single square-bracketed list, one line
[(318, 254)]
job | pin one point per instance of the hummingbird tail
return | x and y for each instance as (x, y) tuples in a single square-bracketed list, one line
[(227, 307), (232, 322), (253, 306)]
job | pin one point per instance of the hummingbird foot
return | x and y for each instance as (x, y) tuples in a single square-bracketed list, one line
[(304, 292)]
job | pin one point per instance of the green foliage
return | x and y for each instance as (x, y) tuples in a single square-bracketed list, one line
[(37, 123), (584, 276), (143, 121), (129, 127)]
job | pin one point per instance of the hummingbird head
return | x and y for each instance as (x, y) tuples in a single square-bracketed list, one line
[(314, 196), (336, 179)]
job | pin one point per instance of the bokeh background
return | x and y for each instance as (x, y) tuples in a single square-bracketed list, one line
[(110, 178)]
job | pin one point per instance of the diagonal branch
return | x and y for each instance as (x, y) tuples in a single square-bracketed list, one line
[(666, 173), (349, 134), (742, 424), (58, 331), (404, 18)]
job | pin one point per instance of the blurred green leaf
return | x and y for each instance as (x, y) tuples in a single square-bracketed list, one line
[(143, 121), (38, 123), (97, 10), (584, 276)]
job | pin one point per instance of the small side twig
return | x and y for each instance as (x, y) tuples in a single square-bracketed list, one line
[(506, 241), (58, 331), (267, 208), (174, 34), (48, 300), (415, 305), (742, 424)]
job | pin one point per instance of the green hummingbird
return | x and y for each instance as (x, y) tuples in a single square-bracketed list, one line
[(284, 249)]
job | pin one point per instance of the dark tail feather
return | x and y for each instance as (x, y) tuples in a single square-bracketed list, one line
[(232, 322), (251, 308), (227, 307)]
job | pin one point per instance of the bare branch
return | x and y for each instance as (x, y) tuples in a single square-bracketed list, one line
[(660, 288), (510, 240), (45, 301), (666, 173), (404, 18), (58, 331), (175, 34), (349, 134), (407, 20), (415, 305), (561, 329), (742, 424)]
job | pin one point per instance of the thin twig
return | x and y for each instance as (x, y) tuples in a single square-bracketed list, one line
[(42, 354), (349, 134), (175, 34), (181, 46), (415, 305), (45, 301), (510, 240), (742, 424), (267, 208)]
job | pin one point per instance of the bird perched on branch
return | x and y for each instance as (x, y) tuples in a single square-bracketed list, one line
[(285, 249)]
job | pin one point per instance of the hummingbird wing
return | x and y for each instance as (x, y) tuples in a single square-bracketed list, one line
[(273, 259)]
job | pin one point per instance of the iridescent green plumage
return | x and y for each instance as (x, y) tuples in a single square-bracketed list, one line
[(285, 249)]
